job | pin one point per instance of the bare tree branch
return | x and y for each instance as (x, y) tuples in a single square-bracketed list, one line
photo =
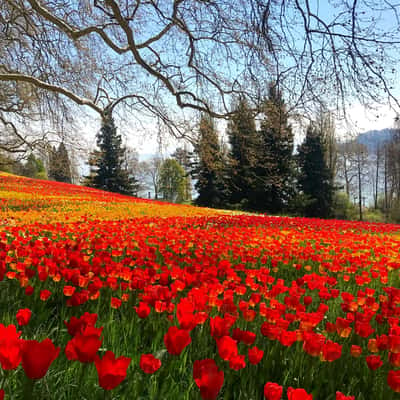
[(18, 77)]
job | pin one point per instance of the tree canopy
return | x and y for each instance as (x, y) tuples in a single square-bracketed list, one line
[(157, 57)]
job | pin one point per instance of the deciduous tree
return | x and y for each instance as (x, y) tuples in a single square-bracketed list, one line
[(172, 181), (151, 54)]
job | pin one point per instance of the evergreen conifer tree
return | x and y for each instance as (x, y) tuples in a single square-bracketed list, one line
[(275, 166), (107, 172), (59, 164), (244, 144), (209, 168), (314, 181)]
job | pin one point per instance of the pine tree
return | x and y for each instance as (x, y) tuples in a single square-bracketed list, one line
[(315, 183), (59, 164), (275, 166), (209, 168), (243, 142), (107, 172)]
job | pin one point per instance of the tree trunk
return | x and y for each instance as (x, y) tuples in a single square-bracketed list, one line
[(359, 188), (378, 155)]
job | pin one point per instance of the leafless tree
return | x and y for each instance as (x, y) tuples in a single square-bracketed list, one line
[(345, 168), (30, 117), (159, 57), (143, 54), (332, 51), (361, 163), (151, 170), (136, 169), (377, 157), (353, 170)]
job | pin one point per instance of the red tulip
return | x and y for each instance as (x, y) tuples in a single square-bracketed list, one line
[(221, 326), (273, 391), (298, 394), (208, 378), (246, 337), (287, 338), (341, 396), (176, 340), (78, 325), (227, 347), (331, 351), (143, 310), (111, 370), (83, 347), (37, 357), (255, 355), (69, 290), (374, 362), (29, 290), (185, 314), (313, 343), (149, 364), (393, 380), (394, 359), (355, 350), (10, 347), (237, 362), (116, 302), (23, 316), (45, 294), (394, 343)]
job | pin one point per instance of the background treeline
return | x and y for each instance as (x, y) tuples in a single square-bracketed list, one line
[(252, 165), (258, 167), (52, 163)]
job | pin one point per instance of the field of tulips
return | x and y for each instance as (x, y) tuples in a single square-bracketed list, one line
[(108, 296)]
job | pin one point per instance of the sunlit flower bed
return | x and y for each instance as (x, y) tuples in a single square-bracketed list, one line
[(104, 295)]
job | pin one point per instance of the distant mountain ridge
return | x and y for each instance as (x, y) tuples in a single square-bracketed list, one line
[(373, 139)]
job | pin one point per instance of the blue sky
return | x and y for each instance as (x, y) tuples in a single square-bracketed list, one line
[(144, 138)]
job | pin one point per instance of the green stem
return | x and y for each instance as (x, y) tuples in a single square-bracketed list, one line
[(106, 394), (3, 379), (80, 381), (28, 389)]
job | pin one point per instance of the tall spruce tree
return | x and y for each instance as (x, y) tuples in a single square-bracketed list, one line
[(59, 164), (209, 167), (107, 172), (244, 144), (275, 164), (314, 180)]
